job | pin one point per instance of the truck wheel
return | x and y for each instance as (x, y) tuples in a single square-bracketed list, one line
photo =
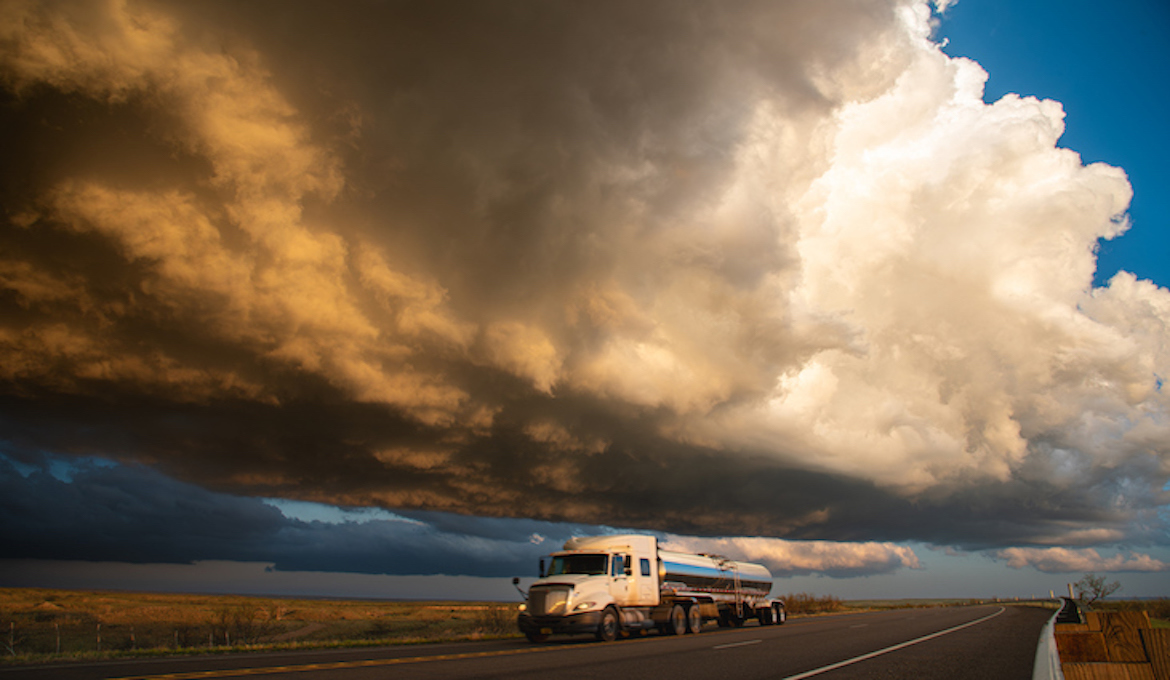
[(694, 620), (678, 620), (607, 630), (767, 616), (781, 615), (536, 637)]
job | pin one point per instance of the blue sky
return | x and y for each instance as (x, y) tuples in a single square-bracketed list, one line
[(391, 301), (1103, 65)]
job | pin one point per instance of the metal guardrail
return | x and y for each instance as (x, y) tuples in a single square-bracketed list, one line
[(1047, 664), (1069, 612)]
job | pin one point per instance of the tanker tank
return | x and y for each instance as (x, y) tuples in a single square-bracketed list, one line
[(713, 574)]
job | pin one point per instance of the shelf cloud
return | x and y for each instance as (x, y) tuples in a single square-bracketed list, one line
[(714, 269)]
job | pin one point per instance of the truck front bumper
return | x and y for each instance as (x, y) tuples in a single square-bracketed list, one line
[(585, 622)]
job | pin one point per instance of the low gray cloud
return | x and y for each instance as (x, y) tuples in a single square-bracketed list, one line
[(90, 509), (711, 268), (100, 512)]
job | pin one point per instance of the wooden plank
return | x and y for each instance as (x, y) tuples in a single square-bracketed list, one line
[(1072, 628), (1122, 638), (1107, 671), (1134, 620), (1081, 647), (1092, 620), (1157, 644), (1125, 646)]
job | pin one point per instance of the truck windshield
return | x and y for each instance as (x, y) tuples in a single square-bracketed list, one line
[(578, 564)]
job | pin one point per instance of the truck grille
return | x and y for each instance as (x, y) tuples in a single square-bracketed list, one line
[(548, 601)]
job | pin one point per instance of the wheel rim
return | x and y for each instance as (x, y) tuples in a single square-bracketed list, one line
[(609, 626), (678, 620), (694, 619)]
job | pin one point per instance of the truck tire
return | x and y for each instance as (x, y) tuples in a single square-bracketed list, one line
[(677, 625), (767, 616), (694, 620), (610, 626), (781, 615)]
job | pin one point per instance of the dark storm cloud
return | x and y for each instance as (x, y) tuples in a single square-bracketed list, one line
[(113, 513), (712, 268), (126, 514), (294, 452)]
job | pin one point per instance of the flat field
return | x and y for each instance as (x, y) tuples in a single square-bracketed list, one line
[(40, 623)]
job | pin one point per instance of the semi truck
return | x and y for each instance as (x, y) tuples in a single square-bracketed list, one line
[(617, 586)]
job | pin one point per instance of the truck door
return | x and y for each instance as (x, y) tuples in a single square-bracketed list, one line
[(619, 582), (646, 582)]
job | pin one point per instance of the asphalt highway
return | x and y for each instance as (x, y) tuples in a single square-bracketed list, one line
[(955, 643)]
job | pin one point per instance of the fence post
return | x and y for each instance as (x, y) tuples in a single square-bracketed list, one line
[(99, 637)]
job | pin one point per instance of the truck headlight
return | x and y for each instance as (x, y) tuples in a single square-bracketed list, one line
[(523, 607), (583, 606)]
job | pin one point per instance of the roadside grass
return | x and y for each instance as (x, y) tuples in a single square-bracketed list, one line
[(807, 604), (1159, 610), (38, 625), (916, 603)]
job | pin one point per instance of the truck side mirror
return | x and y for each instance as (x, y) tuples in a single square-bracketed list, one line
[(541, 572), (515, 580)]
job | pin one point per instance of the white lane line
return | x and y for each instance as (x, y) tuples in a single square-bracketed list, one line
[(879, 652), (737, 644)]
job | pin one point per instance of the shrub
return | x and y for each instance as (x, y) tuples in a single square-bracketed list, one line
[(807, 603), (496, 620), (241, 623), (1157, 609)]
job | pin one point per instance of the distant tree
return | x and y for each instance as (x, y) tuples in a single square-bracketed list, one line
[(1092, 587)]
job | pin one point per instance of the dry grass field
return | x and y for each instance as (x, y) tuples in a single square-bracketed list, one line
[(39, 624)]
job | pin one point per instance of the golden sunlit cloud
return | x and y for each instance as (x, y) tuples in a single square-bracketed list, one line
[(1064, 560), (605, 265)]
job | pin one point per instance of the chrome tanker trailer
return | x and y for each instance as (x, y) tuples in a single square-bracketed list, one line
[(621, 585)]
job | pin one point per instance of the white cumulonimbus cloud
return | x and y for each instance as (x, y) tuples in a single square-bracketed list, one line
[(954, 241)]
